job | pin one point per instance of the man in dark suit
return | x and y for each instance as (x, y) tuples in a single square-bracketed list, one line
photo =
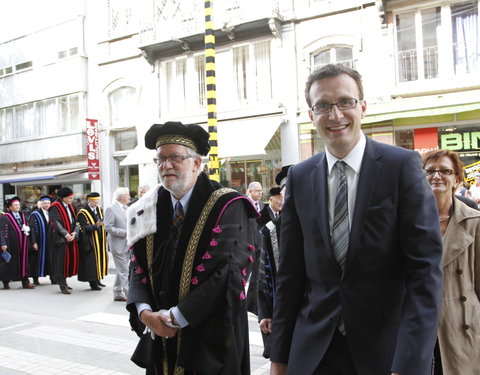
[(359, 278)]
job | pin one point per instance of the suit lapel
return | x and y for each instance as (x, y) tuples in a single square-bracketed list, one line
[(318, 181), (369, 171)]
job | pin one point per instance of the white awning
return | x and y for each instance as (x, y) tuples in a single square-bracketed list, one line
[(46, 177), (245, 137), (235, 138), (139, 155)]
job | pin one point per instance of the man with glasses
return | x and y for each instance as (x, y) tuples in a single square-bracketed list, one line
[(192, 243), (116, 227), (359, 277), (255, 193)]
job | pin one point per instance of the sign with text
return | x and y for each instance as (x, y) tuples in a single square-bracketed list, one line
[(471, 171), (425, 140), (93, 150)]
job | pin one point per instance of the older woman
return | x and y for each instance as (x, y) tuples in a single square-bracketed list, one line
[(459, 331)]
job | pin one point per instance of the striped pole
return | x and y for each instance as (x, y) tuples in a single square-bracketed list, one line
[(211, 90)]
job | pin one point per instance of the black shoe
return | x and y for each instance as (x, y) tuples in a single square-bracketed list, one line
[(94, 285), (6, 285), (99, 283), (64, 289), (35, 281), (28, 286)]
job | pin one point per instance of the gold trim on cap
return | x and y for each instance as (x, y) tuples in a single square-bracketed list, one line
[(176, 139)]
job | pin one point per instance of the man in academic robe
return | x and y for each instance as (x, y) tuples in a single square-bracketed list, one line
[(65, 249), (269, 253), (14, 243), (192, 252), (40, 239), (93, 265)]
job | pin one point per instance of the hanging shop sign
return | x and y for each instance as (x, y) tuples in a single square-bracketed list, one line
[(93, 150)]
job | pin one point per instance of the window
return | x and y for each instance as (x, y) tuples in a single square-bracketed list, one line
[(240, 61), (200, 74), (420, 55), (466, 41), (42, 118), (122, 106), (417, 55), (334, 55), (125, 140)]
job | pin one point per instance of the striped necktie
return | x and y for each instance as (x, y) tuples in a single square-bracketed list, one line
[(177, 222), (340, 231)]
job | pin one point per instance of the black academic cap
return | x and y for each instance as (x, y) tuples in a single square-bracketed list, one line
[(281, 178), (65, 192), (193, 136)]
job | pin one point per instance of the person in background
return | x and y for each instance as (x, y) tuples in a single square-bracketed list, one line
[(142, 189), (458, 340), (40, 255), (267, 271), (254, 194), (190, 291), (14, 245), (93, 265), (359, 277), (475, 190), (63, 216), (116, 227)]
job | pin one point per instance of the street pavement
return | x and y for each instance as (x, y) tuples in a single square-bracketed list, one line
[(44, 332)]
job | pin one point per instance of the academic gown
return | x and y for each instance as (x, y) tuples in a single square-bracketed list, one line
[(40, 233), (17, 245), (93, 264), (216, 339)]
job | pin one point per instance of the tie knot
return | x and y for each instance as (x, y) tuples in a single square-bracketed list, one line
[(178, 209), (340, 165)]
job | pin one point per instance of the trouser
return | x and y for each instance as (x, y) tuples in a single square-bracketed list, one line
[(120, 286)]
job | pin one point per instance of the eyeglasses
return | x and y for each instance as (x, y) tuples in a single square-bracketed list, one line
[(342, 105), (441, 172), (173, 159)]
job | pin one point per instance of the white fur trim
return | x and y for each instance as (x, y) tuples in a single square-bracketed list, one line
[(146, 223)]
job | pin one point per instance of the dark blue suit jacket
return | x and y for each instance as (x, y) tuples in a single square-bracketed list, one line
[(390, 291)]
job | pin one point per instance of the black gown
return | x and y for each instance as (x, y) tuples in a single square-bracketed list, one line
[(216, 339)]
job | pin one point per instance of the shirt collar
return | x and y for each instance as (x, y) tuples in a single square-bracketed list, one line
[(353, 158), (185, 200)]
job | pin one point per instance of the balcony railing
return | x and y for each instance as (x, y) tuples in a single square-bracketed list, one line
[(407, 65), (172, 21)]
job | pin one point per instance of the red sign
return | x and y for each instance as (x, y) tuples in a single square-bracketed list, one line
[(425, 140), (93, 150)]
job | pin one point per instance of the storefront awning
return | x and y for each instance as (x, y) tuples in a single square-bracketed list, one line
[(42, 177), (235, 138), (421, 112), (245, 137), (139, 155)]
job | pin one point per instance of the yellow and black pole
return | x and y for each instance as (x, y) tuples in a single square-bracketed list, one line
[(211, 90)]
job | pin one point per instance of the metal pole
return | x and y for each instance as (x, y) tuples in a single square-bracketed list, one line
[(211, 90)]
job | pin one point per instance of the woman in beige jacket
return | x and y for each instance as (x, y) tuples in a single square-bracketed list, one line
[(458, 346)]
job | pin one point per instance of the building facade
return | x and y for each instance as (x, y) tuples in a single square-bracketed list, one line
[(130, 65)]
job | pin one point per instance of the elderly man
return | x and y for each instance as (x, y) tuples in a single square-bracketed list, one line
[(91, 242), (116, 227), (254, 193), (192, 242), (65, 250), (40, 239)]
